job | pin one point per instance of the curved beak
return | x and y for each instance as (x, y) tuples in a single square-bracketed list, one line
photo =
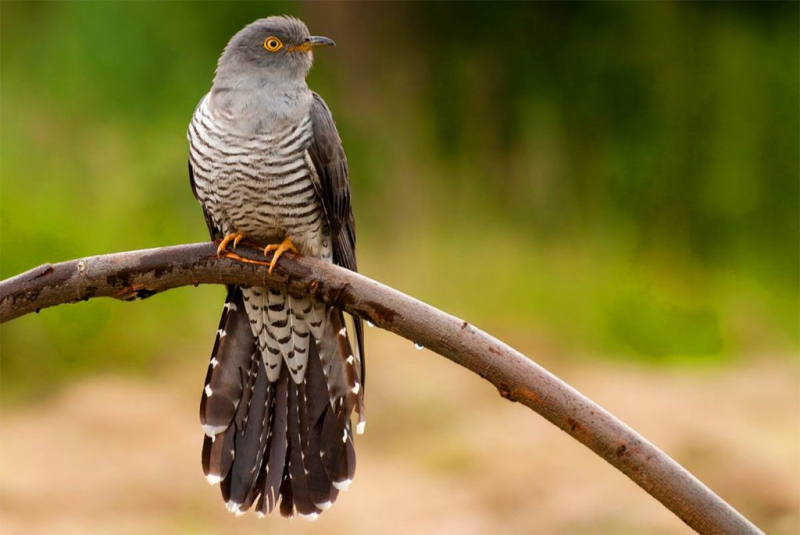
[(315, 41)]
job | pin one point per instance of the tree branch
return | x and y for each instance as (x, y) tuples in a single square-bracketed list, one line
[(140, 274)]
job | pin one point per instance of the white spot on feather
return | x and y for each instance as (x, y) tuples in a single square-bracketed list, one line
[(356, 388), (360, 427), (213, 479), (343, 332), (214, 362), (310, 517), (221, 333), (233, 507), (208, 391), (342, 485), (350, 359), (213, 430), (324, 506)]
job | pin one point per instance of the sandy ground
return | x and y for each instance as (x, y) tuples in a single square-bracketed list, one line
[(443, 453)]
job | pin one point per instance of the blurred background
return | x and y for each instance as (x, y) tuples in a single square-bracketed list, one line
[(611, 188)]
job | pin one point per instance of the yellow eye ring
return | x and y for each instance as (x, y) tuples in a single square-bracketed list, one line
[(273, 44)]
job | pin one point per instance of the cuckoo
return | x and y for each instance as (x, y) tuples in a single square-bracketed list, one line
[(285, 382)]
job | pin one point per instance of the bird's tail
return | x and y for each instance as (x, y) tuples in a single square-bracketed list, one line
[(284, 443)]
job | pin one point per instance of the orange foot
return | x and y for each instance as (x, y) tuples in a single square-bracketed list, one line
[(236, 238), (286, 245)]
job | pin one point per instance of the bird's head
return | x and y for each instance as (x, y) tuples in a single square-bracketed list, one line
[(278, 47)]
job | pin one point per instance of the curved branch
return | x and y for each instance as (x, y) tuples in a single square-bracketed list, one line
[(140, 274)]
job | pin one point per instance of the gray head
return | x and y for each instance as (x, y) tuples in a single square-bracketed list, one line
[(269, 51)]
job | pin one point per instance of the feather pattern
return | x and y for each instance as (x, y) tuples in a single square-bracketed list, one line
[(280, 391), (284, 381)]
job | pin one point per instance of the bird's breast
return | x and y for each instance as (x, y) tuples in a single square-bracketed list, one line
[(261, 183)]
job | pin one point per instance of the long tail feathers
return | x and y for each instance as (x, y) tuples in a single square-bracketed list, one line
[(285, 444)]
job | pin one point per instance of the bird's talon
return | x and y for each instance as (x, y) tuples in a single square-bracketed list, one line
[(235, 238), (286, 245)]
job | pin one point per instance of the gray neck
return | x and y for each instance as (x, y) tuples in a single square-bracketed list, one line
[(256, 103)]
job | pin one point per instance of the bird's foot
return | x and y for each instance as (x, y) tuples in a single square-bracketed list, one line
[(286, 245), (235, 238)]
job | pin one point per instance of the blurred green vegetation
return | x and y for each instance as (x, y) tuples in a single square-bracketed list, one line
[(618, 179)]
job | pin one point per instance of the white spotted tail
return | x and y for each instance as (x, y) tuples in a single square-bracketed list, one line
[(278, 424)]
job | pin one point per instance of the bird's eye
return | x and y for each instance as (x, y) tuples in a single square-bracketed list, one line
[(273, 44)]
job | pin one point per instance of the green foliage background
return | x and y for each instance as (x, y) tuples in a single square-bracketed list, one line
[(618, 179)]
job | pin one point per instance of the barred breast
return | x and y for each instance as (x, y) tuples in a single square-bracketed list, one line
[(258, 183)]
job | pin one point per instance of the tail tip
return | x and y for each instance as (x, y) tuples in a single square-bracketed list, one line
[(324, 506), (213, 430), (342, 485), (213, 479), (234, 508), (309, 517)]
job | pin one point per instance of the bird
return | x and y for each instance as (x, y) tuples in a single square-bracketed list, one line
[(286, 376)]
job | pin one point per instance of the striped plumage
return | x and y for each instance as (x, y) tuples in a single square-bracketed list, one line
[(265, 161), (257, 182)]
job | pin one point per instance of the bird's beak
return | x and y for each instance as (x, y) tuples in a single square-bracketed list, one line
[(311, 43)]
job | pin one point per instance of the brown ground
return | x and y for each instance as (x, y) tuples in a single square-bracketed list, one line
[(443, 453)]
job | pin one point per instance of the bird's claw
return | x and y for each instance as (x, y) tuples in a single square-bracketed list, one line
[(286, 245), (236, 237)]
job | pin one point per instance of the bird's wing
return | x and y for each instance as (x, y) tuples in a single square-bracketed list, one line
[(333, 187), (332, 183)]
